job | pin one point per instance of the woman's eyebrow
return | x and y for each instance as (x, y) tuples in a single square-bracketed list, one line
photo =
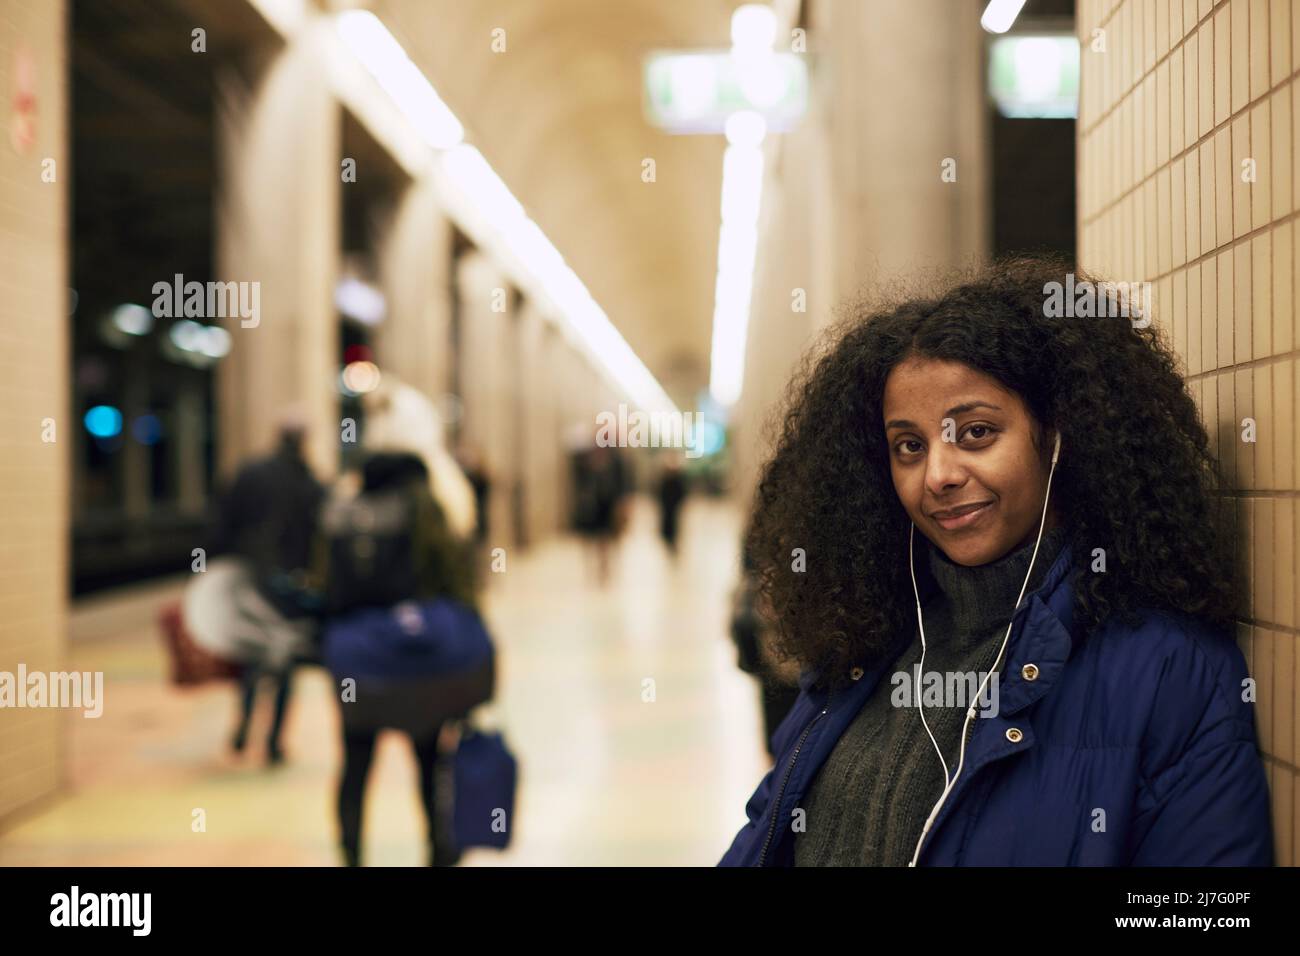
[(950, 413), (969, 407)]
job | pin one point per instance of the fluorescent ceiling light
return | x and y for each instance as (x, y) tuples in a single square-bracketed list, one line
[(506, 220), (742, 185), (746, 128), (999, 15), (381, 54), (477, 180), (753, 31), (753, 27), (491, 201), (742, 191)]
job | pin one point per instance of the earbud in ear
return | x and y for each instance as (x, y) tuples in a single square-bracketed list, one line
[(1056, 452)]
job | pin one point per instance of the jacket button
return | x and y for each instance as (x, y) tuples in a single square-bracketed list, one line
[(856, 673), (1014, 735), (1029, 672)]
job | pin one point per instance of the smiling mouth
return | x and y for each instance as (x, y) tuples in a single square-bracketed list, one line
[(963, 516)]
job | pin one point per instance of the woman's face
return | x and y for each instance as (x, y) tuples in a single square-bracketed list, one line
[(963, 459)]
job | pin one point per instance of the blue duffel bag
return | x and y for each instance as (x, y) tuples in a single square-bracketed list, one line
[(414, 666)]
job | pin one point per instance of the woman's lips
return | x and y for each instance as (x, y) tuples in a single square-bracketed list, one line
[(965, 516)]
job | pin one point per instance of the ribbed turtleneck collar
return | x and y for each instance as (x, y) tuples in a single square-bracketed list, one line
[(984, 596)]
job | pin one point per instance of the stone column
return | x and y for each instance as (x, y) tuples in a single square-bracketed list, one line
[(414, 262), (855, 195), (278, 225), (485, 365)]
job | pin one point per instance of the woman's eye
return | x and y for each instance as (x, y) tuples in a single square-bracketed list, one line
[(972, 433), (979, 432)]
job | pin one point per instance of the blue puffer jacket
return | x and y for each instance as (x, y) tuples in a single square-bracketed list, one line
[(1146, 724)]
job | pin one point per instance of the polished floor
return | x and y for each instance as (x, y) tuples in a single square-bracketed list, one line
[(608, 776)]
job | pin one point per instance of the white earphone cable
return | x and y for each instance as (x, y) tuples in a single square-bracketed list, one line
[(970, 713)]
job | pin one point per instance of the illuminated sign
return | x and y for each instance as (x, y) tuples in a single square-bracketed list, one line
[(695, 92), (1035, 77)]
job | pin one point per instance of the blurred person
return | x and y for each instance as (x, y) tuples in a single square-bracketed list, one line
[(267, 516), (387, 556), (601, 485), (476, 472), (672, 493), (777, 680), (400, 417), (915, 465)]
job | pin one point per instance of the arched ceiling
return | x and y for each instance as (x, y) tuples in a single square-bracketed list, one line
[(559, 115)]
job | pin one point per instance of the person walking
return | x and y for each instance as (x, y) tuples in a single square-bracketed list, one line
[(267, 516), (601, 485), (401, 604), (672, 493)]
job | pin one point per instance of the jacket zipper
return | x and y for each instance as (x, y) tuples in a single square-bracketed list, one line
[(776, 805)]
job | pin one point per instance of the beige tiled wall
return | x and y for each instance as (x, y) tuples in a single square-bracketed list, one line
[(33, 386), (1180, 100)]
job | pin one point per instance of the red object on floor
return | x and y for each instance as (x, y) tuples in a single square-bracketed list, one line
[(191, 664)]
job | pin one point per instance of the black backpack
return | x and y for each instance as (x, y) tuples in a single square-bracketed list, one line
[(375, 544)]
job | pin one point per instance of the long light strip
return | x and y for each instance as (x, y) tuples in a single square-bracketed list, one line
[(753, 29), (494, 205), (466, 169), (386, 60)]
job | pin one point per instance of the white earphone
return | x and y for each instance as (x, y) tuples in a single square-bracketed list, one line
[(970, 713)]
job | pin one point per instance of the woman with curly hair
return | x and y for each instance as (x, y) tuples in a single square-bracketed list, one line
[(995, 539)]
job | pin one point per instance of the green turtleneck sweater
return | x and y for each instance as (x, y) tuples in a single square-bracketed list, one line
[(869, 800)]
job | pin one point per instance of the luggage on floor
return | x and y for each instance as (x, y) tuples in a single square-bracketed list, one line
[(228, 615), (191, 663)]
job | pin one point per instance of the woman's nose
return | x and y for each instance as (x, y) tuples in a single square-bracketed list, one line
[(943, 468)]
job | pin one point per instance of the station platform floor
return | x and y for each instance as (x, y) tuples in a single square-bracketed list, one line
[(606, 777)]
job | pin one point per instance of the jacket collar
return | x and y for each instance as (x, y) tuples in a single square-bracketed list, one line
[(1041, 636), (1044, 636), (1043, 639)]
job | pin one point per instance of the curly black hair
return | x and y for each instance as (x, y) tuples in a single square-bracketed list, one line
[(1136, 475)]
